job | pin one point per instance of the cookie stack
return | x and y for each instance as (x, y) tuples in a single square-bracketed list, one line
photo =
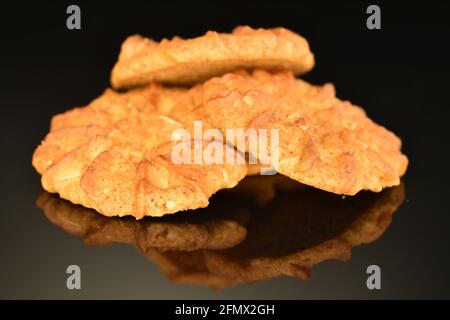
[(116, 155)]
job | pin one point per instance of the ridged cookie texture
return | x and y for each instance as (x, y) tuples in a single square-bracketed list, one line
[(115, 156), (112, 106), (76, 126), (324, 142), (186, 62)]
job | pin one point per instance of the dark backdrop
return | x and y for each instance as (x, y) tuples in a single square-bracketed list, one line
[(399, 74)]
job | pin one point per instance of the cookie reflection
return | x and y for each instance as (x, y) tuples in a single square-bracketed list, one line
[(265, 227), (216, 227)]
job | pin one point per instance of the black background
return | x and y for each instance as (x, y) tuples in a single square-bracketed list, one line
[(399, 74)]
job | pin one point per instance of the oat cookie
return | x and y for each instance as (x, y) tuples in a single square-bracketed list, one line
[(179, 61), (323, 141), (121, 163)]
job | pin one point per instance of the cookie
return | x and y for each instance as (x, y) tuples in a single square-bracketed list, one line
[(323, 142), (185, 62), (75, 127), (112, 106), (122, 162)]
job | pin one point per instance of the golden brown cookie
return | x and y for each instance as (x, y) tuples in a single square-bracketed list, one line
[(113, 106), (179, 61), (75, 127), (323, 141), (120, 163)]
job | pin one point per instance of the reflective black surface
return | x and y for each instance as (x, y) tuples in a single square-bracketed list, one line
[(399, 74), (242, 237)]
